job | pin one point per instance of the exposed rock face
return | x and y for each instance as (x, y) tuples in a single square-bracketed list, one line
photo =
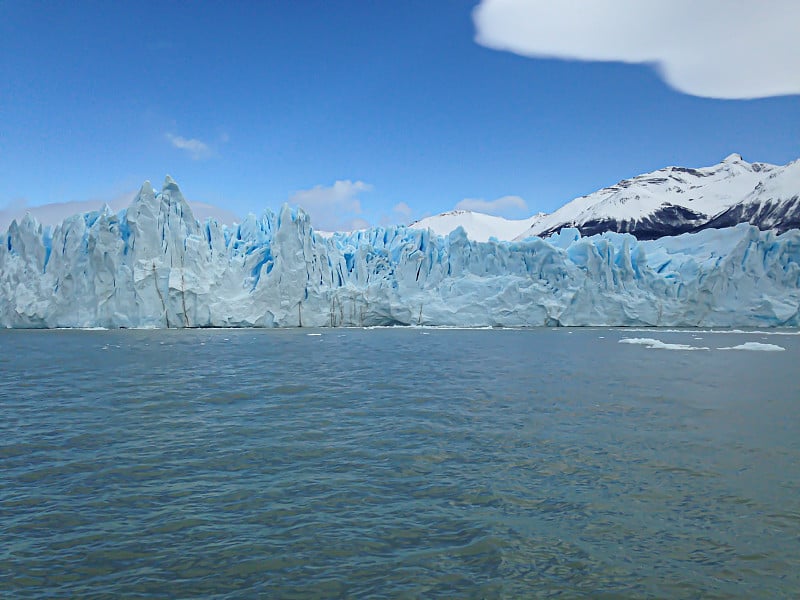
[(677, 200)]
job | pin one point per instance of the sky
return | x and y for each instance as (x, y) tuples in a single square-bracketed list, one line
[(381, 112)]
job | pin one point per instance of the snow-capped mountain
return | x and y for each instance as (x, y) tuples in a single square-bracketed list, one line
[(773, 204), (677, 200), (669, 201), (478, 226)]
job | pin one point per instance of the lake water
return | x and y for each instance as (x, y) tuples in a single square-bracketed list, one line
[(391, 463)]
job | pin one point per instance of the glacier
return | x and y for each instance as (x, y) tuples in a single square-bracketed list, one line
[(155, 265)]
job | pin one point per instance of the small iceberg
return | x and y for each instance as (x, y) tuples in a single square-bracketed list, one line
[(658, 344), (756, 346)]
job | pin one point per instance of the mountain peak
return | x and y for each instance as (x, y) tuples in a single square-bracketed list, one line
[(732, 158), (672, 201), (479, 227)]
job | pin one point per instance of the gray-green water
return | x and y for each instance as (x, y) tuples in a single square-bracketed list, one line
[(397, 463)]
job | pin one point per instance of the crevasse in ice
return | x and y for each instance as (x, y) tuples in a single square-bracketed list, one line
[(154, 265)]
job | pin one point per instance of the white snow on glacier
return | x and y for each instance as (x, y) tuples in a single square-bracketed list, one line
[(155, 265)]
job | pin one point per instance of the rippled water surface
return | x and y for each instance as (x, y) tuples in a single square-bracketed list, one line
[(397, 463)]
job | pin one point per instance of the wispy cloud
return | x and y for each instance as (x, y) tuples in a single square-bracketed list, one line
[(402, 210), (204, 211), (399, 215), (55, 212), (505, 206), (197, 149), (335, 207), (712, 48)]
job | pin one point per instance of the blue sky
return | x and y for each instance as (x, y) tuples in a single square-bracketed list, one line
[(250, 104)]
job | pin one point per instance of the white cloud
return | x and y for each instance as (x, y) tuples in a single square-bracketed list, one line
[(204, 211), (55, 212), (402, 209), (335, 207), (355, 224), (503, 206), (197, 150), (732, 49), (400, 214)]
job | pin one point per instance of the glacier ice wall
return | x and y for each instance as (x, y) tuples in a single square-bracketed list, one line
[(154, 265)]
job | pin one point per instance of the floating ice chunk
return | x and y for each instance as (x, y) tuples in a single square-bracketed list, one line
[(714, 331), (658, 344), (757, 346)]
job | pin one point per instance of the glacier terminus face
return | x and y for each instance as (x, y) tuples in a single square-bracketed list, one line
[(155, 265)]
